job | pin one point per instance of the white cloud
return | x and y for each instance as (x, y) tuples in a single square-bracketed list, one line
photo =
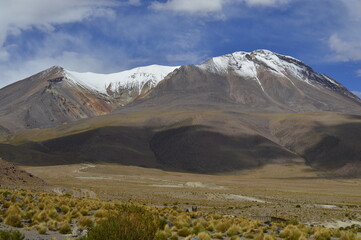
[(190, 6), (18, 15), (357, 93), (206, 6), (54, 50), (346, 41), (354, 7), (266, 2), (358, 72), (69, 60), (188, 57), (345, 50)]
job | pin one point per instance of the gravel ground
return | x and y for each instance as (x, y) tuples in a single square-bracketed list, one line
[(34, 235)]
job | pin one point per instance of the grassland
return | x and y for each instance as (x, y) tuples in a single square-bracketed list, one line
[(292, 191), (49, 213)]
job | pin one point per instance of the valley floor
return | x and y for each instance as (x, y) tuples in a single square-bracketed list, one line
[(287, 191)]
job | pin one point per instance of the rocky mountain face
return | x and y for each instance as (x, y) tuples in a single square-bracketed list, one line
[(260, 81), (47, 99), (238, 111), (57, 96)]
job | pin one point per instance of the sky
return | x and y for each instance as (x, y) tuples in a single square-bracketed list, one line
[(106, 36)]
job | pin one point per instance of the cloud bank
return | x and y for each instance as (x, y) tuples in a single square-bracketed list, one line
[(19, 15), (345, 42), (207, 7)]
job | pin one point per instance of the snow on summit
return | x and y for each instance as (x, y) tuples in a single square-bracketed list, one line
[(247, 64), (129, 79)]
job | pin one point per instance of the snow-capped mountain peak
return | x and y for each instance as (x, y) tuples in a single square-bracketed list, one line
[(134, 79), (249, 64)]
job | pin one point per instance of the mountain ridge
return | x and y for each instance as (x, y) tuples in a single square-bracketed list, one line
[(219, 116)]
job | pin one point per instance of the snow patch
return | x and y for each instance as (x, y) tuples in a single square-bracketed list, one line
[(237, 62), (247, 64), (130, 79)]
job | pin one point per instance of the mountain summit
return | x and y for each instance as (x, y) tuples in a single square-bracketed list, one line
[(259, 81), (250, 65)]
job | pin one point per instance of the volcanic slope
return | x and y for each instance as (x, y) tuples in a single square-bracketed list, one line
[(260, 81), (58, 96), (238, 111)]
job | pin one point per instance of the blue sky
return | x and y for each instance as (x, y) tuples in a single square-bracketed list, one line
[(113, 35)]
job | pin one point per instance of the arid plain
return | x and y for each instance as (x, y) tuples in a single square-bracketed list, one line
[(291, 191)]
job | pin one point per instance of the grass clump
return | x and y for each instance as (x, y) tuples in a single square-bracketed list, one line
[(233, 230), (131, 223), (322, 234), (162, 235), (11, 235), (184, 232), (65, 228), (291, 232), (203, 236), (223, 226), (42, 229), (86, 222), (348, 236), (14, 221)]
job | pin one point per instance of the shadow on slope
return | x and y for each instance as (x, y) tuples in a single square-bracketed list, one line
[(332, 147), (187, 149), (338, 146), (199, 149)]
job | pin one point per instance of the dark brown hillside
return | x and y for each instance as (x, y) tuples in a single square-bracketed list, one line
[(11, 176)]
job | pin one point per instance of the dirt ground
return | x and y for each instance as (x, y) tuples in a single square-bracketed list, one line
[(289, 191)]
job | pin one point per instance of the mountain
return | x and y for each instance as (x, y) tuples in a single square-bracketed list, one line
[(260, 81), (238, 111), (124, 86), (57, 96)]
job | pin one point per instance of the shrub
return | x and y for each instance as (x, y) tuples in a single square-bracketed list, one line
[(65, 209), (84, 212), (174, 236), (13, 220), (348, 236), (13, 210), (42, 229), (86, 222), (184, 232), (233, 230), (65, 228), (270, 237), (223, 226), (53, 214), (11, 235), (217, 235), (198, 228), (260, 236), (53, 225), (235, 238), (322, 234), (161, 235), (182, 221), (101, 213), (204, 236), (131, 223), (291, 232)]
